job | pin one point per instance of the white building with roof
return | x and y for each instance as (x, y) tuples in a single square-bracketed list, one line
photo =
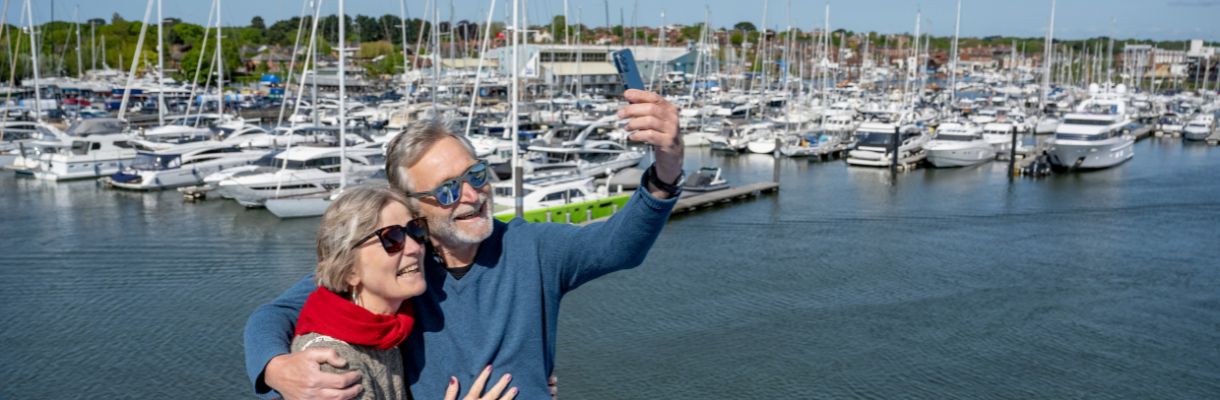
[(564, 66)]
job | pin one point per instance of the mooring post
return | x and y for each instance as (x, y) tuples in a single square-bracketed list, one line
[(1012, 154), (775, 165), (894, 151)]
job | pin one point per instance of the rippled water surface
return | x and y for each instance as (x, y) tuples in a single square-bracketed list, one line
[(941, 284)]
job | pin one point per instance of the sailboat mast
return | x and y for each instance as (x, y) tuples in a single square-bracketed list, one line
[(160, 66), (518, 200), (135, 61), (220, 61), (34, 55), (478, 74), (1046, 61), (80, 65), (957, 24), (402, 18), (342, 100)]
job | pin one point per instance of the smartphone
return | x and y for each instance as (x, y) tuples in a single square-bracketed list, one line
[(624, 62)]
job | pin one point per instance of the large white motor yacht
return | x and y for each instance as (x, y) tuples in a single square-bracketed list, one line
[(94, 148), (1097, 134), (182, 165), (298, 171)]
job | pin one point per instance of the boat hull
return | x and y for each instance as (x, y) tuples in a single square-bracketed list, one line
[(1076, 155), (169, 179), (1196, 134), (960, 156), (868, 158), (762, 146), (57, 170), (298, 207)]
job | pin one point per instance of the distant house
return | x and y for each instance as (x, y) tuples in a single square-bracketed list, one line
[(273, 61), (589, 65)]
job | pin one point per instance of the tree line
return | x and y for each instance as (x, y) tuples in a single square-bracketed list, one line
[(112, 43)]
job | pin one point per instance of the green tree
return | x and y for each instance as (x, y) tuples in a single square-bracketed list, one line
[(692, 32), (370, 50), (559, 27), (745, 26)]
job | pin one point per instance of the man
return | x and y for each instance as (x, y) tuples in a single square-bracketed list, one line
[(493, 288)]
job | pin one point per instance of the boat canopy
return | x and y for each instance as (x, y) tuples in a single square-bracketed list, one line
[(96, 126)]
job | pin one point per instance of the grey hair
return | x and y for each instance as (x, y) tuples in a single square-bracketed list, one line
[(349, 218), (409, 147)]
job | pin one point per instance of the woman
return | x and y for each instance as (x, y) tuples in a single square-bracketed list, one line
[(370, 262)]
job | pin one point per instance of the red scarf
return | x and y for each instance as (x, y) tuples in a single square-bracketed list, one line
[(332, 315)]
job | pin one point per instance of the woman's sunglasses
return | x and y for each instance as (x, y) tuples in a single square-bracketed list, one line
[(450, 191), (394, 236)]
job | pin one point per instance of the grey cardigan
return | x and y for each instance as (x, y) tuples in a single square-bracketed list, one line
[(381, 370)]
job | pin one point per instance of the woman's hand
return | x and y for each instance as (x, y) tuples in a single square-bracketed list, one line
[(492, 394)]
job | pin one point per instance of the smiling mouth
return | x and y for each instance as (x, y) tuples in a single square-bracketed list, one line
[(408, 270), (472, 214)]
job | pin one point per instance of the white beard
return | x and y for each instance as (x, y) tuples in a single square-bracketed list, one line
[(447, 231)]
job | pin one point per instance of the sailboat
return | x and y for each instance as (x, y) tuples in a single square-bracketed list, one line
[(313, 205)]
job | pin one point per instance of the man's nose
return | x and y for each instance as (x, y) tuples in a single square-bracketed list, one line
[(469, 193)]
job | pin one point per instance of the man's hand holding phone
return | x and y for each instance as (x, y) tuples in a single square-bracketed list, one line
[(655, 121)]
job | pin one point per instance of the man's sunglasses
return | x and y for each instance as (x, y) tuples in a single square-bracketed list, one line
[(394, 236), (450, 191)]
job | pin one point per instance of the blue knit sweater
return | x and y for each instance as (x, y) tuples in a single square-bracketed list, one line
[(502, 313)]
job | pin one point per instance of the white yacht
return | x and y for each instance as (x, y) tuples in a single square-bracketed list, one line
[(734, 138), (958, 145), (592, 158), (711, 130), (20, 139), (874, 141), (841, 122), (1199, 127), (299, 170), (1171, 123), (536, 196), (182, 165), (301, 135), (1046, 125), (983, 116), (763, 141), (999, 135), (1096, 134), (315, 204), (576, 150), (93, 148), (243, 135)]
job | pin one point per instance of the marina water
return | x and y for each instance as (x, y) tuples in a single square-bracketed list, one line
[(845, 284)]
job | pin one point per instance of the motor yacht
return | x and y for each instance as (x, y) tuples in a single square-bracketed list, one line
[(958, 144), (875, 140), (1097, 134), (178, 166)]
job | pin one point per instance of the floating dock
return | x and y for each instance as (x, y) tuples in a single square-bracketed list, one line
[(1143, 132), (1214, 139), (692, 202)]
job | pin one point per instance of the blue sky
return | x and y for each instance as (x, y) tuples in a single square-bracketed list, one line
[(1157, 19)]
